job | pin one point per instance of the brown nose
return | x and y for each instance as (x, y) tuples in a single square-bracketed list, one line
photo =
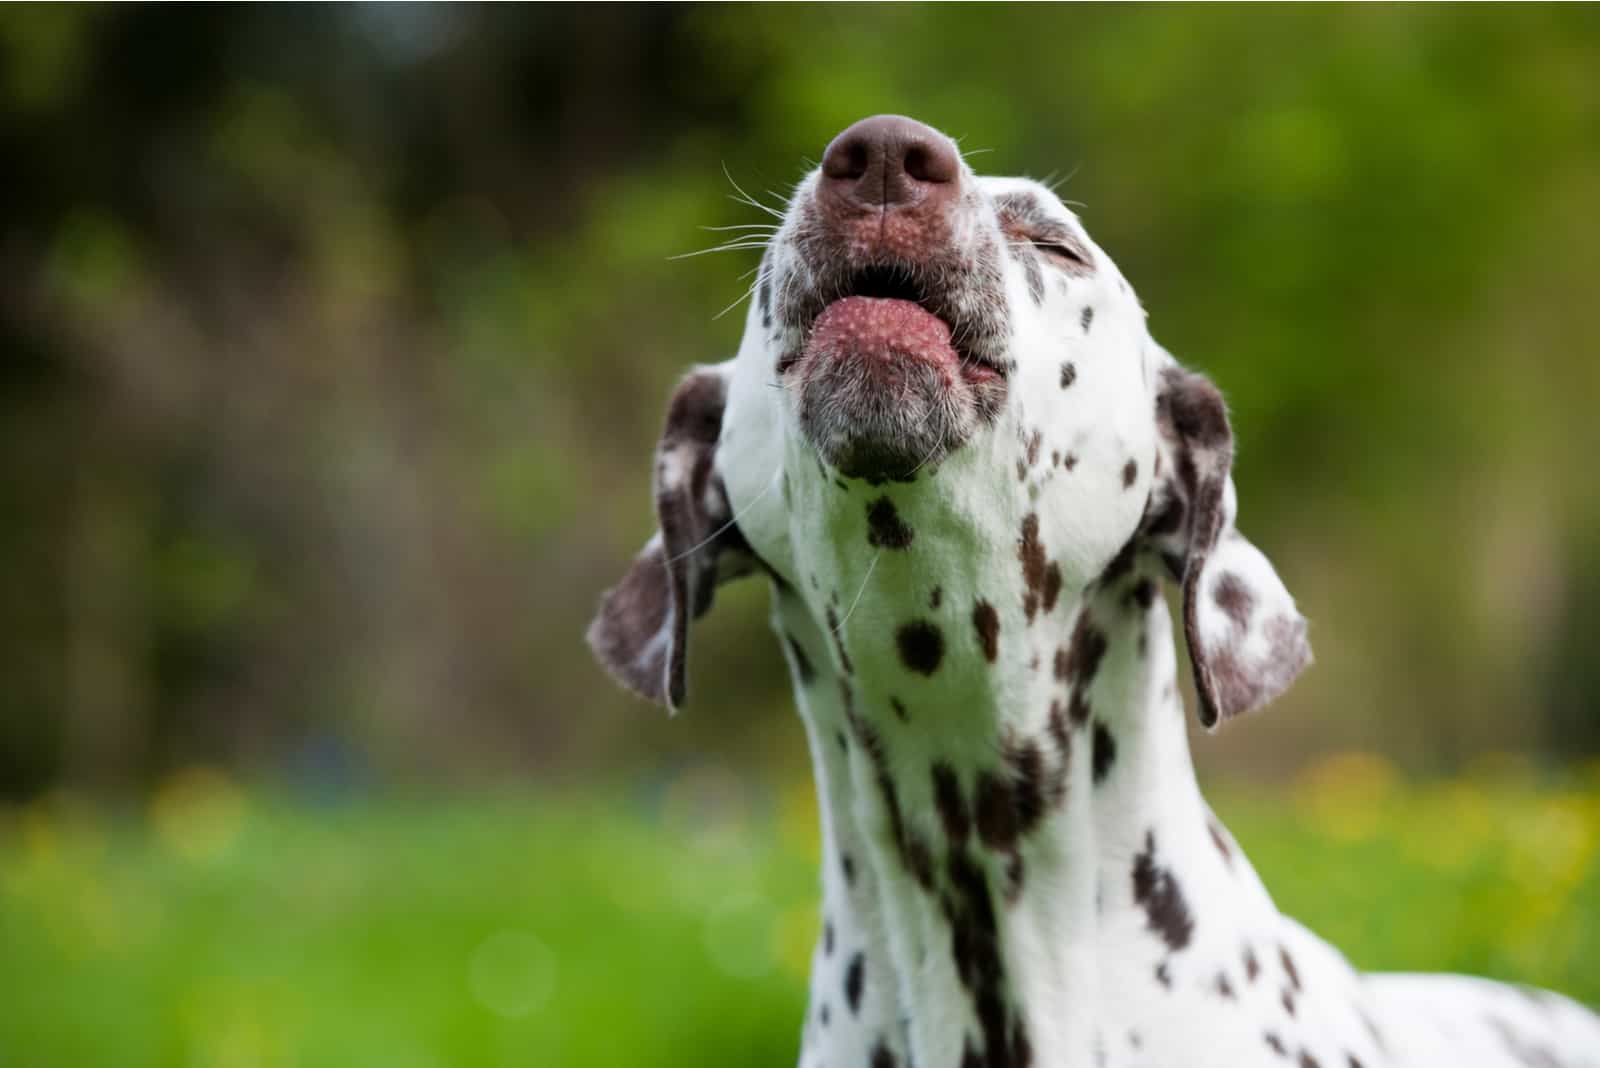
[(890, 161)]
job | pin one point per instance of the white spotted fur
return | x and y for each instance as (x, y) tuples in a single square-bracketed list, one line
[(1079, 952)]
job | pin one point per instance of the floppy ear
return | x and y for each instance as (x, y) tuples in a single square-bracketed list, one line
[(1246, 640), (641, 633)]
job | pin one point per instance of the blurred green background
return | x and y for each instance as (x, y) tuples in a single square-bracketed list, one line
[(335, 343)]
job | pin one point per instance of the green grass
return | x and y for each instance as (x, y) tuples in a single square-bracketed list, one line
[(232, 928)]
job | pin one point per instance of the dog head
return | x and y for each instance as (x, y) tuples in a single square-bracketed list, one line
[(946, 407)]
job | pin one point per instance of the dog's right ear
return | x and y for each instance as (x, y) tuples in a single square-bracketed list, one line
[(641, 633)]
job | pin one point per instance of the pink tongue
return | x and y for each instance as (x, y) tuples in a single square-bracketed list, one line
[(866, 327)]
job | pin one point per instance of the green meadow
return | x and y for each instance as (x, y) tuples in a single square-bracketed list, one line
[(218, 924)]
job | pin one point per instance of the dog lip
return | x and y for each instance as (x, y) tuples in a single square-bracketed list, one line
[(889, 282)]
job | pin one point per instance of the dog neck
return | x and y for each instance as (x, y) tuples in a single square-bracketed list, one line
[(979, 835)]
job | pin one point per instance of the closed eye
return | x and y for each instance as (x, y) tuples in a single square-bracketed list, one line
[(1067, 255)]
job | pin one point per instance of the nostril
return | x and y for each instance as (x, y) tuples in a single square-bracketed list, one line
[(931, 161), (889, 160), (847, 158)]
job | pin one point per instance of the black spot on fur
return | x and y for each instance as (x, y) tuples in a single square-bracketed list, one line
[(1157, 890), (1086, 317), (885, 528), (1130, 471), (881, 1056), (935, 597), (1122, 563), (921, 646), (1252, 967), (1234, 598), (1014, 877), (838, 642), (1105, 751), (951, 804), (1352, 1061), (802, 663), (1143, 594), (1164, 975), (827, 938), (1069, 374), (986, 621), (1276, 1044), (1224, 987), (853, 977), (823, 1014), (764, 302), (847, 865)]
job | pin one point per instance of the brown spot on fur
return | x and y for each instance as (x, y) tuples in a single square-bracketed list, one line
[(1308, 1061), (1276, 1044), (1220, 840), (1288, 1001), (1085, 650), (1252, 967), (1027, 764), (1224, 987), (1288, 967), (1130, 472), (996, 811), (1034, 441), (1234, 598), (952, 806), (986, 621), (1041, 577)]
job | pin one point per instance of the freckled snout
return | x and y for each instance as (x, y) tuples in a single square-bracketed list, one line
[(889, 163)]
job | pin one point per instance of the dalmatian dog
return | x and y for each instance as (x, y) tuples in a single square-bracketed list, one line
[(965, 468)]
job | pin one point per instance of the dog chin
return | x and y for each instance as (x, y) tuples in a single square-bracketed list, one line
[(871, 430)]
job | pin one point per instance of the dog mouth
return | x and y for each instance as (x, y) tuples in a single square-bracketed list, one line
[(885, 314), (889, 376)]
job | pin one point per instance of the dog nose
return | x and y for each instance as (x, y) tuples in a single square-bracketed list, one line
[(890, 161)]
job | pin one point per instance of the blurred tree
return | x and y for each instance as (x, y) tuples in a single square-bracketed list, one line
[(335, 343)]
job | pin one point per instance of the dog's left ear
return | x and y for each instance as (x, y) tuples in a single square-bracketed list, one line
[(641, 633), (1246, 640)]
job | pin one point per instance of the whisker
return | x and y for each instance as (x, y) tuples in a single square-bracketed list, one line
[(709, 538), (735, 247), (748, 199), (863, 589)]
